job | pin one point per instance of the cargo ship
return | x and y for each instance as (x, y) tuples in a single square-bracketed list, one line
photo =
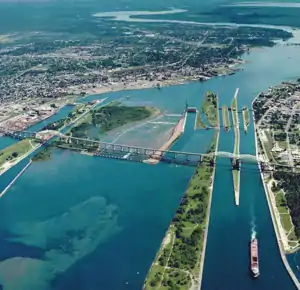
[(254, 257)]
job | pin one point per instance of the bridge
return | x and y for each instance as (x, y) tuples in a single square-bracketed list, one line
[(129, 152)]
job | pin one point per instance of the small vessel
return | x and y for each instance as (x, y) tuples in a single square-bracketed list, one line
[(254, 257)]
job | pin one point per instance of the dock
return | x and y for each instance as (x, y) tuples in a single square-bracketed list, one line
[(225, 117), (246, 119)]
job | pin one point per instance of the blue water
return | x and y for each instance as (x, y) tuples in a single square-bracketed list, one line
[(6, 141), (77, 222)]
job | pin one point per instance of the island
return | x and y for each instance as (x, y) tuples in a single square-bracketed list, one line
[(94, 124), (179, 261), (210, 108), (277, 120)]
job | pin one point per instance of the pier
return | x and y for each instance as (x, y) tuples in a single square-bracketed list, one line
[(246, 118), (225, 118), (15, 179), (236, 163)]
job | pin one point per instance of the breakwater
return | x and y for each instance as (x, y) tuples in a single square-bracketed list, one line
[(15, 179)]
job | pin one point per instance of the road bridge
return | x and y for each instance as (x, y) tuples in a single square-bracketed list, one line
[(107, 149)]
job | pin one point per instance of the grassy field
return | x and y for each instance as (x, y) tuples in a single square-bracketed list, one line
[(225, 116), (14, 151), (176, 265), (210, 108), (268, 144), (108, 118), (283, 210), (199, 124)]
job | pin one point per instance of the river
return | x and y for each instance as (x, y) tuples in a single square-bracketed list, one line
[(77, 222)]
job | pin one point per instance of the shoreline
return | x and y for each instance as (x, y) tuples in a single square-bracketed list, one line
[(271, 210)]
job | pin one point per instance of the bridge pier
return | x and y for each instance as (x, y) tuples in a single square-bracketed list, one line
[(236, 164)]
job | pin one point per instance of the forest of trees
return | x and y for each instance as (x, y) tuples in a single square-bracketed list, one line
[(290, 183)]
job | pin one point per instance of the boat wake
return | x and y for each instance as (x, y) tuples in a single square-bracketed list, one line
[(253, 225)]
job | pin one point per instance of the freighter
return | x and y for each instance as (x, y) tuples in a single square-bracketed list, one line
[(254, 257)]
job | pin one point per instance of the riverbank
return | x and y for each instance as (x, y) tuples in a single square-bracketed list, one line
[(199, 124), (275, 221), (210, 110), (187, 233)]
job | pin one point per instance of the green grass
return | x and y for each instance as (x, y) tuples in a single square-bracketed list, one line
[(14, 151), (175, 279), (292, 236), (281, 203), (285, 218), (286, 222), (43, 155), (108, 118), (210, 108), (189, 225), (282, 144), (199, 124), (225, 116)]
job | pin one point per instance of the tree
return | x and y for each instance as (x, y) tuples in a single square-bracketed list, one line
[(14, 154)]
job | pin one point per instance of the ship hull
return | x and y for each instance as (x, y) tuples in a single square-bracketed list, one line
[(254, 266)]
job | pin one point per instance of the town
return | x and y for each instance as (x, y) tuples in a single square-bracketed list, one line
[(277, 118)]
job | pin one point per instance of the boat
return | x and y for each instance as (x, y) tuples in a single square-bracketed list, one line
[(254, 257)]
